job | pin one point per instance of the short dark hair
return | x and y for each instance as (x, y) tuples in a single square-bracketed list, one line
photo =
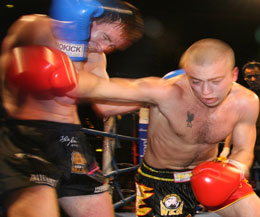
[(128, 15), (250, 65)]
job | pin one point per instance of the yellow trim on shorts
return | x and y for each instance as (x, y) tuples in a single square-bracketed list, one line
[(233, 202), (154, 177)]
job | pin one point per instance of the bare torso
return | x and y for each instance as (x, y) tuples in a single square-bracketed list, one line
[(54, 108), (185, 133), (28, 107)]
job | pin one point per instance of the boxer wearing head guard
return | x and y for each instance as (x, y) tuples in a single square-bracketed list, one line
[(45, 156)]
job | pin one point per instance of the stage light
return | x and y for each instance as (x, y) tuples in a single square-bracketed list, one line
[(9, 5)]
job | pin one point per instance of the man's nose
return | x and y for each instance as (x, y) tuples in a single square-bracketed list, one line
[(206, 89)]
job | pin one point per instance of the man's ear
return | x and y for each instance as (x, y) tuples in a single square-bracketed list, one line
[(235, 73)]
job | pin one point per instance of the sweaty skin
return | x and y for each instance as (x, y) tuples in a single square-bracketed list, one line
[(189, 135), (26, 106), (185, 130)]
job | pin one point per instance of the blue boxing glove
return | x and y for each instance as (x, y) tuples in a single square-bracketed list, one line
[(174, 73), (72, 24)]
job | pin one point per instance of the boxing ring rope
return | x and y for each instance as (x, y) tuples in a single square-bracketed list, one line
[(111, 135), (116, 171)]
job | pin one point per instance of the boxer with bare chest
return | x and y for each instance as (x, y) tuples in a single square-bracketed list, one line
[(188, 119)]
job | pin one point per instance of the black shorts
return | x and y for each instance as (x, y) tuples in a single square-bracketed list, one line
[(48, 153), (164, 192)]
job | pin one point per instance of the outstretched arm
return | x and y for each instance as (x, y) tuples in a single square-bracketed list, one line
[(149, 90), (96, 64)]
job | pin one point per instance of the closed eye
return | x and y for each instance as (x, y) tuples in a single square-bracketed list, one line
[(216, 81), (195, 82), (106, 37)]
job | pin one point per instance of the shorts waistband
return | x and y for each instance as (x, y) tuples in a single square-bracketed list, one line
[(42, 124), (165, 174)]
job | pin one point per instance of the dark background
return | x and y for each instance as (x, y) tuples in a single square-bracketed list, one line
[(171, 26)]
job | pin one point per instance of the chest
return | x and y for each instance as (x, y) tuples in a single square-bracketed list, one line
[(206, 127), (203, 126)]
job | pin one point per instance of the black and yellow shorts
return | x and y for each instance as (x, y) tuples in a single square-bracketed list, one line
[(164, 192)]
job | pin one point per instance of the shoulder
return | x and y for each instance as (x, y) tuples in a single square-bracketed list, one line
[(169, 90), (245, 100), (96, 63), (94, 57), (34, 18), (244, 95), (29, 30), (37, 22)]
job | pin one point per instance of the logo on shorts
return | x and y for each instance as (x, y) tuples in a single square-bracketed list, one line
[(70, 141), (101, 189), (143, 192), (182, 176), (78, 163), (171, 205), (42, 179)]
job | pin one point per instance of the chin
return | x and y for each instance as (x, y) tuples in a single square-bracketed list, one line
[(212, 105)]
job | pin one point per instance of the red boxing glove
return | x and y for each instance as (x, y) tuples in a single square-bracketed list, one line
[(214, 181), (39, 69)]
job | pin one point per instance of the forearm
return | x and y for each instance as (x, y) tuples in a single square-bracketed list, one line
[(244, 157), (106, 110), (93, 87)]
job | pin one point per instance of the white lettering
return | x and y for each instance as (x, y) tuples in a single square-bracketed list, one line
[(72, 50), (42, 179), (101, 188)]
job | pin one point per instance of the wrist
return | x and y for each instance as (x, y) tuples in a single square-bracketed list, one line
[(225, 152), (76, 50), (244, 170), (242, 167)]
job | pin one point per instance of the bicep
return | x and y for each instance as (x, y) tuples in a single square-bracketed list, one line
[(107, 110), (244, 133), (147, 90)]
